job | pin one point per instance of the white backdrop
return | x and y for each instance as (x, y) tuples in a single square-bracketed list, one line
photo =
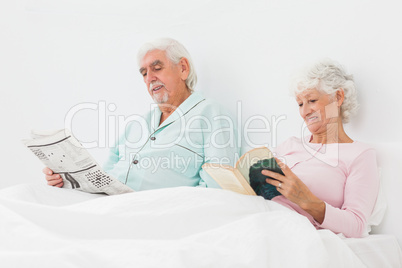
[(55, 55)]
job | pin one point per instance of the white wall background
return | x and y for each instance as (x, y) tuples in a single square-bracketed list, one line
[(57, 54)]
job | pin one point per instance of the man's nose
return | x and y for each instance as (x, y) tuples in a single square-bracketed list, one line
[(150, 77)]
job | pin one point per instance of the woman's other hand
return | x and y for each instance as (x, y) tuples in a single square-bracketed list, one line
[(291, 187)]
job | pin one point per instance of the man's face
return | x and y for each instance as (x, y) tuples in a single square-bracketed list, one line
[(164, 79)]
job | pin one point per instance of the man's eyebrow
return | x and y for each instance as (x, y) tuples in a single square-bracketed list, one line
[(154, 63)]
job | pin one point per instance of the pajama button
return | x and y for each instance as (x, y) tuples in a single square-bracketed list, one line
[(153, 138), (135, 162)]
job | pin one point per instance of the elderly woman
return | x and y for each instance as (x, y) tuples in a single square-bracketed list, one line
[(329, 177)]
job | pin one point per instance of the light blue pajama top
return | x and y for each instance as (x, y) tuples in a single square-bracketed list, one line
[(152, 156)]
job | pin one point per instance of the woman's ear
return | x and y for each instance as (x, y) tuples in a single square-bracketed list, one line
[(340, 96), (184, 68)]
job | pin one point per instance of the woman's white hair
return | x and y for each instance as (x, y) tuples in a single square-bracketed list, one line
[(328, 76), (174, 52)]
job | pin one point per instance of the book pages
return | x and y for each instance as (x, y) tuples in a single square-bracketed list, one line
[(250, 158), (62, 152), (228, 178)]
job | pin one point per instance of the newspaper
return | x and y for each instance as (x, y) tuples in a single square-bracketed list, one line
[(63, 153)]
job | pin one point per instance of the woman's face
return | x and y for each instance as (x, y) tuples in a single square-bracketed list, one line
[(318, 109)]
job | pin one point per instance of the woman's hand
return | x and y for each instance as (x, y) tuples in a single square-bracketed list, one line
[(291, 187), (53, 179)]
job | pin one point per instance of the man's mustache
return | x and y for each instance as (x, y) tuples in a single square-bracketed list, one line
[(156, 83)]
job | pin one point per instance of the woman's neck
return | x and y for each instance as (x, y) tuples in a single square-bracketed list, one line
[(333, 134)]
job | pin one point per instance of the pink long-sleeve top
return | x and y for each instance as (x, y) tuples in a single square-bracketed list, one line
[(343, 175)]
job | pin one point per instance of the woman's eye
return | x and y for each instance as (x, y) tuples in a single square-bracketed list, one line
[(300, 104), (313, 101)]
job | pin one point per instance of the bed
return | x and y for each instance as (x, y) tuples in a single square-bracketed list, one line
[(43, 226)]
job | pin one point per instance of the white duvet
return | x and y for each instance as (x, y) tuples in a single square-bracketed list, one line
[(42, 226)]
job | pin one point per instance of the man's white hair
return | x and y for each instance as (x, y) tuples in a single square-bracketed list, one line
[(174, 52), (328, 76)]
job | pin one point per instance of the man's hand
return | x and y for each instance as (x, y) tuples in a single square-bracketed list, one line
[(53, 179)]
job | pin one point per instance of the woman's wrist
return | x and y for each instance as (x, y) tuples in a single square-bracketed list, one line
[(315, 208)]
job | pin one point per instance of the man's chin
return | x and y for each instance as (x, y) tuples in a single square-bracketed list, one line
[(160, 99)]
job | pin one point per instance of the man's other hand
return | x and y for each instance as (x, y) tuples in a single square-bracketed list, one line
[(53, 179)]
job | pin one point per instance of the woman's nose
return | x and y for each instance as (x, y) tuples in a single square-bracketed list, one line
[(304, 110)]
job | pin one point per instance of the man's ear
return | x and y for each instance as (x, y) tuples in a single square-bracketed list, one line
[(340, 96), (184, 68)]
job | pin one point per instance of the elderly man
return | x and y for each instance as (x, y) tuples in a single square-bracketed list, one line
[(183, 132)]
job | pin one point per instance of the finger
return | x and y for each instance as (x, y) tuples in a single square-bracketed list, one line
[(47, 171), (274, 182), (272, 174), (278, 185), (281, 190), (54, 182), (285, 169), (59, 184), (53, 177)]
